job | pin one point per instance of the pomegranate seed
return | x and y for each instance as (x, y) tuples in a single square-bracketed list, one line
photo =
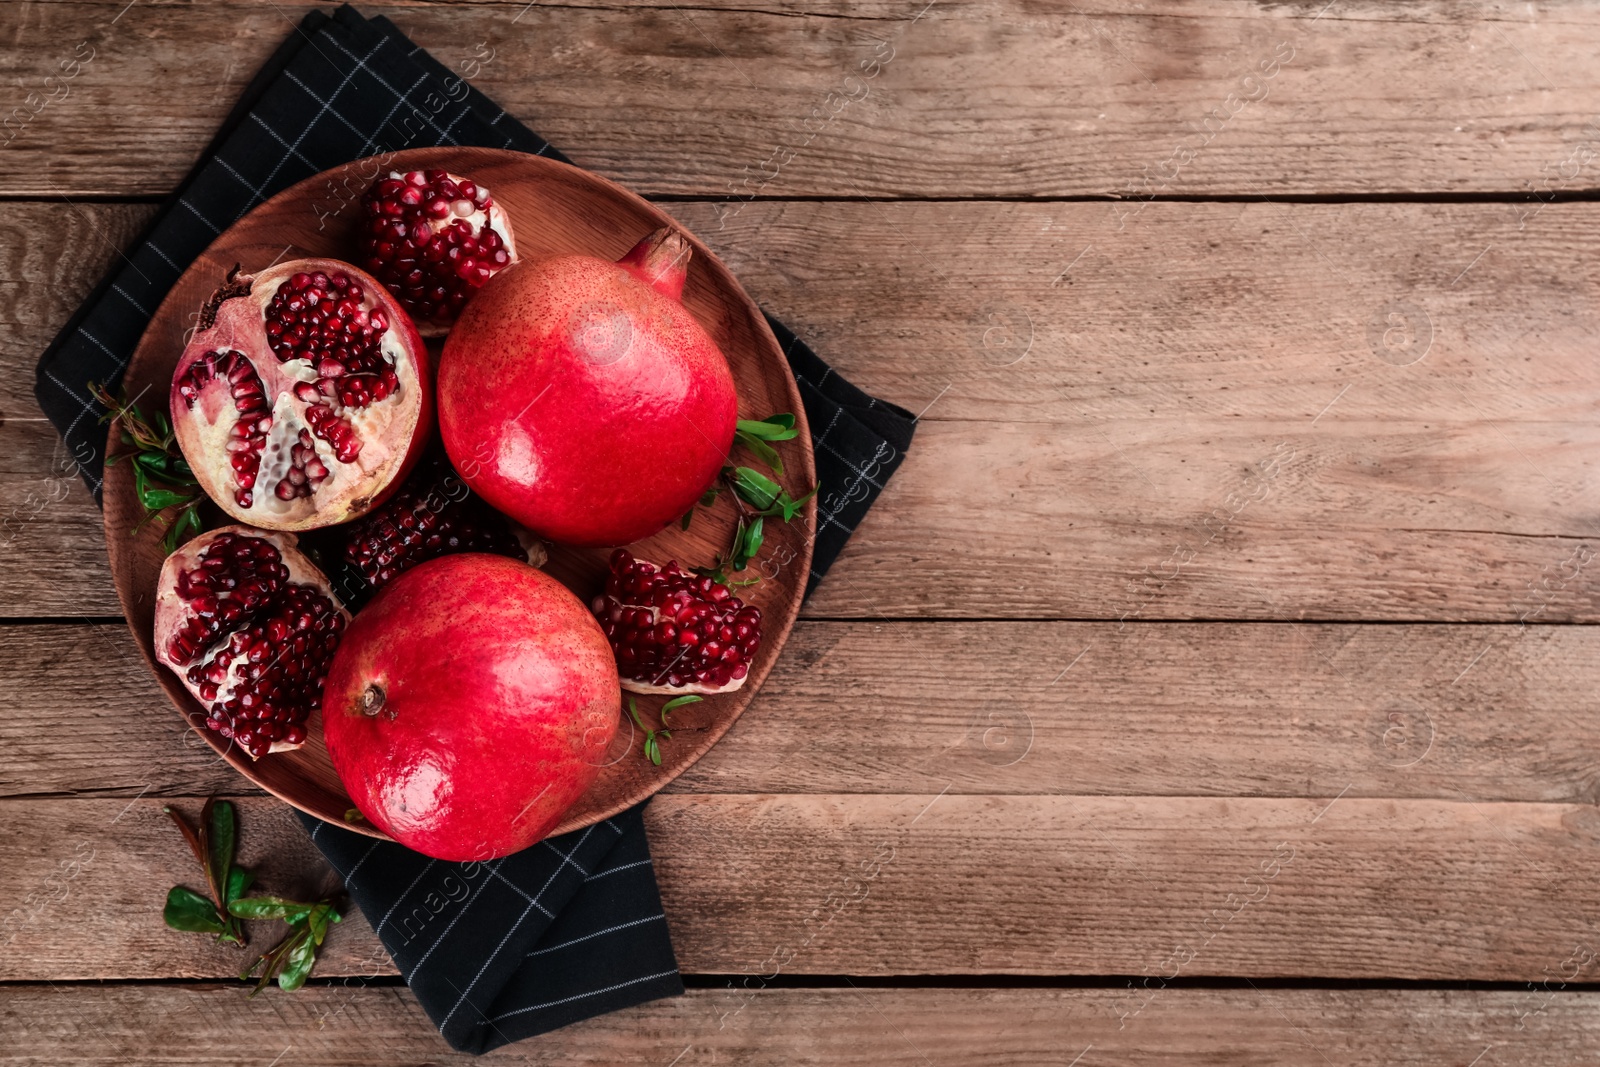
[(422, 521), (671, 629), (419, 240)]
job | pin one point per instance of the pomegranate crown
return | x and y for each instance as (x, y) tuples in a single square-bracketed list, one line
[(661, 261)]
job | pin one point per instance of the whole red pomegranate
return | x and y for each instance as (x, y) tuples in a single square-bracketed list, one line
[(249, 625), (469, 705), (304, 397), (582, 398)]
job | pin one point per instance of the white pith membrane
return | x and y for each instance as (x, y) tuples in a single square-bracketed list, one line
[(174, 611), (204, 436)]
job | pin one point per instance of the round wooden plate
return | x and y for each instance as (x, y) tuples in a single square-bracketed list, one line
[(554, 209)]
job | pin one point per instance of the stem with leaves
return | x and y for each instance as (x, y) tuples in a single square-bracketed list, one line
[(223, 914), (161, 476), (755, 496)]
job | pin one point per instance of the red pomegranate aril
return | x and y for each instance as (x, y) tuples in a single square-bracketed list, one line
[(249, 625), (433, 239), (674, 632), (433, 514)]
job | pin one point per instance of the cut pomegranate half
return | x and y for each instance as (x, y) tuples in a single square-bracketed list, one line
[(433, 514), (304, 397), (675, 632), (250, 626), (433, 238)]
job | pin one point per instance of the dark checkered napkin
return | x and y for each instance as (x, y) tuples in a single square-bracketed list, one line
[(572, 927)]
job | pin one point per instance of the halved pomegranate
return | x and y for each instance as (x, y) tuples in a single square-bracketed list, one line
[(250, 626), (674, 632), (433, 238), (304, 397)]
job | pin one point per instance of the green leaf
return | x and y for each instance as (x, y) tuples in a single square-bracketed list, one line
[(677, 702), (772, 428), (790, 508), (747, 545), (688, 516), (221, 840), (160, 499), (709, 497), (302, 955), (318, 921), (756, 488), (258, 908), (763, 451), (239, 880), (188, 523), (189, 911), (713, 572), (652, 749)]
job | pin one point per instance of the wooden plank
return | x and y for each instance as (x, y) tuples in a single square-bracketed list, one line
[(1173, 709), (1335, 887), (1227, 467), (963, 99), (1224, 469), (354, 1027)]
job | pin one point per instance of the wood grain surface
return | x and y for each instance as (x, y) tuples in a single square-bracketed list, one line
[(1212, 684), (892, 98), (1167, 709), (860, 1026), (1331, 887)]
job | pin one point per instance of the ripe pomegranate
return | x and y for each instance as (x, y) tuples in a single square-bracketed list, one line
[(249, 625), (469, 705), (433, 514), (304, 396), (582, 398), (674, 632), (433, 238)]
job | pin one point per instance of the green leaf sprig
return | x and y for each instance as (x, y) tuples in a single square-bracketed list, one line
[(223, 914), (653, 738), (291, 959), (214, 847), (756, 496), (161, 476)]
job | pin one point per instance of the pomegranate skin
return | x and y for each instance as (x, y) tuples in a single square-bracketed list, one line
[(469, 706), (581, 398)]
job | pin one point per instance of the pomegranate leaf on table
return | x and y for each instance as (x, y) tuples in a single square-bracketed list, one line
[(213, 846), (188, 911), (291, 959)]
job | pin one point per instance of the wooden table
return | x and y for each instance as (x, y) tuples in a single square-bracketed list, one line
[(1210, 686)]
